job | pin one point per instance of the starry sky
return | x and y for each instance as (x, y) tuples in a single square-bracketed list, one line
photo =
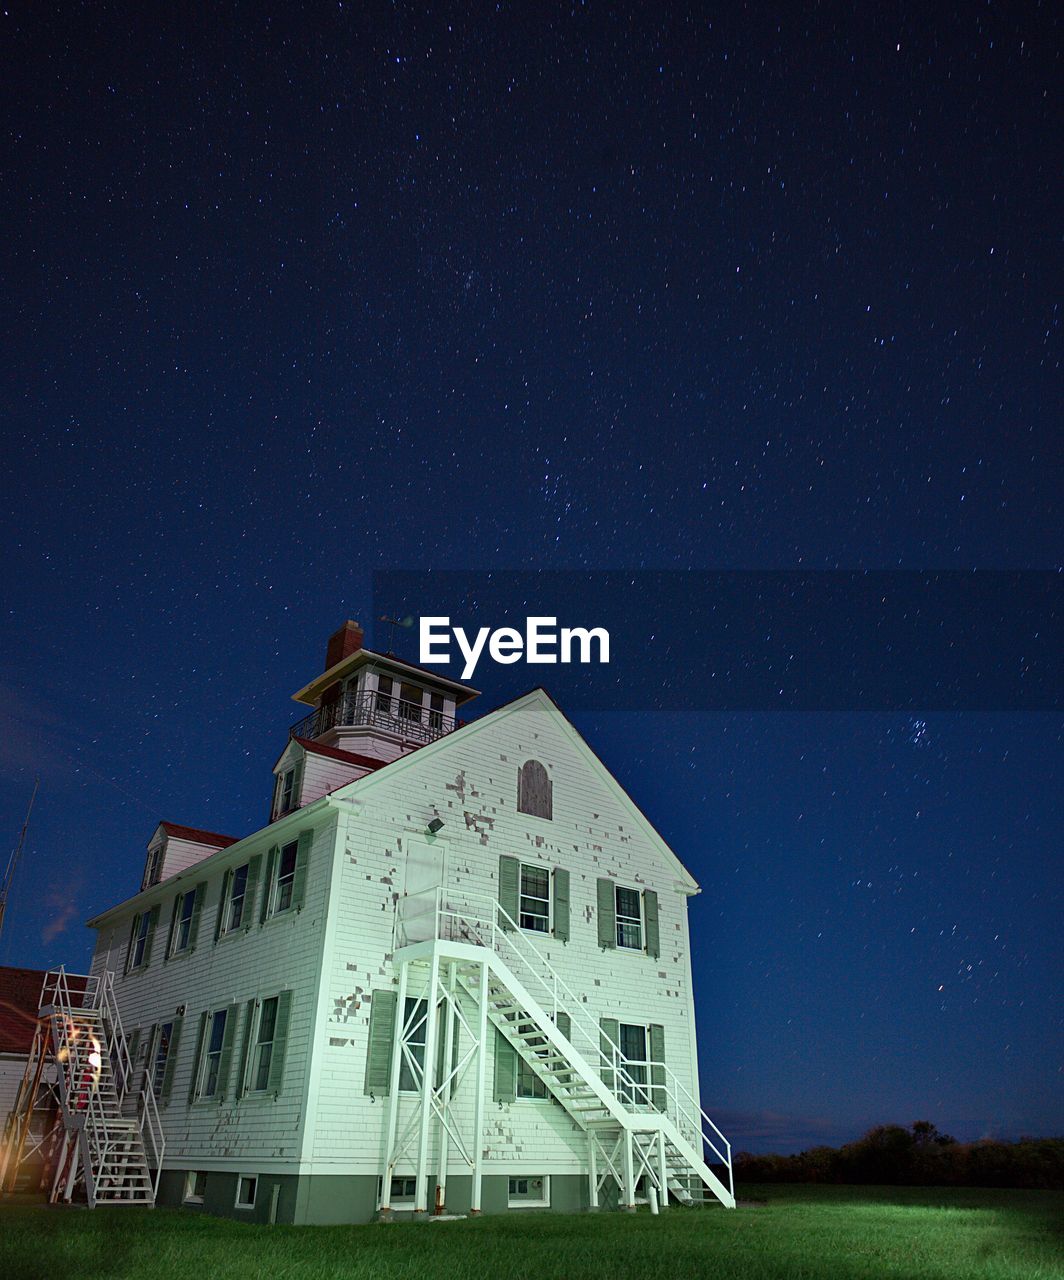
[(298, 294)]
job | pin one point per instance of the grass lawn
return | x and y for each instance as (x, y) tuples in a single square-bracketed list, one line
[(847, 1232)]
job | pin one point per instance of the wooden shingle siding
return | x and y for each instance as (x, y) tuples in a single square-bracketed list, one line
[(282, 955), (469, 781)]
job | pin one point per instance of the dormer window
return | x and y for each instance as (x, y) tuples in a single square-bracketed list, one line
[(288, 786), (153, 866), (534, 790)]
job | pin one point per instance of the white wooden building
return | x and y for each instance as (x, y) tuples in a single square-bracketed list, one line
[(484, 898)]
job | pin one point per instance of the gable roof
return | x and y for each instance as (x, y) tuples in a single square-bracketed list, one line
[(537, 697), (197, 836)]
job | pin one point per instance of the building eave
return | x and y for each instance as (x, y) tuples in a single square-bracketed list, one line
[(311, 693)]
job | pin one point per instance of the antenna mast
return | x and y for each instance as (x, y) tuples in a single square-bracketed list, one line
[(16, 853)]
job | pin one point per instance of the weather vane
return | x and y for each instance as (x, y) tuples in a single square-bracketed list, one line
[(406, 623)]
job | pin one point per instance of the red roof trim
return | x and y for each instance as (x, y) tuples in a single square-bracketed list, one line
[(335, 753), (196, 836)]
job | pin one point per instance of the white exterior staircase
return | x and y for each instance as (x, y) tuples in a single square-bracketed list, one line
[(104, 1142), (640, 1119)]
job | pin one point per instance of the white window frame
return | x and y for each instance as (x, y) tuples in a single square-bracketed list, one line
[(290, 881), (402, 1199), (628, 921), (140, 941), (227, 924), (529, 1097), (155, 865), (255, 1050), (152, 1063), (538, 867), (175, 948), (241, 1178), (190, 1196), (520, 1202), (286, 782), (644, 1085), (207, 1053)]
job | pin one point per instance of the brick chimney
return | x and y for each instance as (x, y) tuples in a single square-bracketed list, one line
[(343, 643)]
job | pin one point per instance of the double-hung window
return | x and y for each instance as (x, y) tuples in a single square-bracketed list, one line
[(157, 1066), (633, 1046), (436, 711), (384, 695), (535, 898), (237, 901), (152, 870), (286, 791), (528, 1084), (259, 1077), (212, 1055), (140, 940), (629, 918), (286, 877), (186, 907)]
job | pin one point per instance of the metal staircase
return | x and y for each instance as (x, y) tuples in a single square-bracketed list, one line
[(642, 1124), (99, 1140)]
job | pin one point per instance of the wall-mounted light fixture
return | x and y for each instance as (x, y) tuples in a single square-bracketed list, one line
[(435, 826)]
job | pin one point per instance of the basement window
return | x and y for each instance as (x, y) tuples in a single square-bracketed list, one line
[(529, 1193), (195, 1186), (247, 1186), (403, 1191)]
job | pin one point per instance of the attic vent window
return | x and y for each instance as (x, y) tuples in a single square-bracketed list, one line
[(534, 790)]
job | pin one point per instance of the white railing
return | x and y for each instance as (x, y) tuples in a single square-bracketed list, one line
[(454, 915), (80, 1075)]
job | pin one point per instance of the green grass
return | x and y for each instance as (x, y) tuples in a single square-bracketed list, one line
[(852, 1233)]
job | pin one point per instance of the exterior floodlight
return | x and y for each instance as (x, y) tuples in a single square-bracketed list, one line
[(435, 825)]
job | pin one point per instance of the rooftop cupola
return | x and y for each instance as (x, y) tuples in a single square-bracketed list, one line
[(375, 704)]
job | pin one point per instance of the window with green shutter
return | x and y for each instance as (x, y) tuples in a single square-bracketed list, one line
[(509, 889), (561, 904), (142, 932), (505, 1087), (657, 1073), (607, 913), (167, 1083)]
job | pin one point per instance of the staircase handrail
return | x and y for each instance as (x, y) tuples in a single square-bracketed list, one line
[(680, 1105)]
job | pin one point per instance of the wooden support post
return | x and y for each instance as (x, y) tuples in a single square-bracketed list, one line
[(421, 1186), (628, 1190), (592, 1171), (478, 1101), (663, 1166), (393, 1093), (445, 1089)]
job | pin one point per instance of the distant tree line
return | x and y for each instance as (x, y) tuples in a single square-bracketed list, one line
[(917, 1156)]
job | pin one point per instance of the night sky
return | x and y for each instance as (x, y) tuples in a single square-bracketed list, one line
[(296, 294)]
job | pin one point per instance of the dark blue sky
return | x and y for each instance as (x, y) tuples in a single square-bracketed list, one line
[(295, 294)]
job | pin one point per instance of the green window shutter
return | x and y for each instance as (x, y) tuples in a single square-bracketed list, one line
[(153, 920), (509, 887), (280, 1042), (607, 914), (251, 884), (134, 928), (561, 904), (650, 920), (225, 1060), (505, 1069), (132, 1045), (564, 1024), (267, 888), (171, 1062), (223, 898), (299, 883), (173, 926), (198, 1056), (657, 1074), (610, 1037), (240, 1085), (381, 1034), (197, 908)]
